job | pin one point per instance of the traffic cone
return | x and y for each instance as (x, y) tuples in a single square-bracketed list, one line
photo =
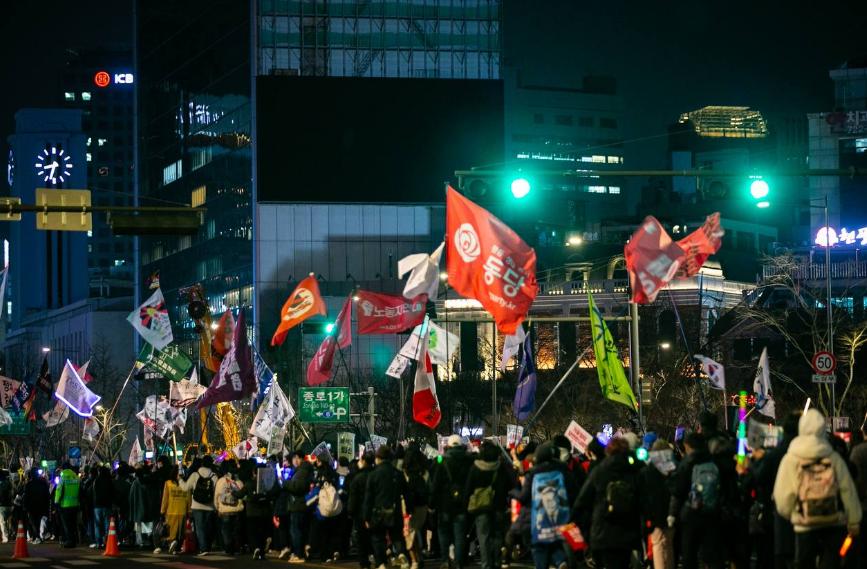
[(189, 538), (20, 543), (111, 543)]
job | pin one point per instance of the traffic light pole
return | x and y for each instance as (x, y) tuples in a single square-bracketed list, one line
[(852, 172)]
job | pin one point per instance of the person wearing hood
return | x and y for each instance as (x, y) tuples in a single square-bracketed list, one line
[(102, 498), (386, 486), (612, 494), (654, 481), (810, 456), (546, 554), (36, 502), (699, 514), (448, 502), (564, 454), (202, 484), (298, 487), (229, 507), (356, 508), (488, 474)]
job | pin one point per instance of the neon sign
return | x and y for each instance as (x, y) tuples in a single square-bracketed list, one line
[(103, 79), (828, 237)]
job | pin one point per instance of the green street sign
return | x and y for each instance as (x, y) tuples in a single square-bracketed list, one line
[(323, 404), (170, 361), (20, 425)]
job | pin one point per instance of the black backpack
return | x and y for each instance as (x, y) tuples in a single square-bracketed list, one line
[(619, 498), (203, 493), (455, 490)]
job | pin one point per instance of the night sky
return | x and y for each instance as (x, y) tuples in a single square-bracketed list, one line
[(668, 56)]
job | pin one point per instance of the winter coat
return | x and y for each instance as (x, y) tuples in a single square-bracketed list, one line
[(298, 487), (121, 495), (102, 492), (356, 493), (858, 457), (607, 532), (228, 484), (176, 501), (142, 503), (66, 493), (812, 444), (256, 505), (417, 487), (7, 495), (189, 485), (481, 475), (526, 496), (36, 496), (386, 485), (655, 491), (682, 486), (451, 475), (765, 472)]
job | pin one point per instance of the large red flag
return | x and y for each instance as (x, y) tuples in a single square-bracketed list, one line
[(304, 302), (221, 342), (698, 245), (425, 405), (319, 369), (652, 259), (388, 313), (489, 262)]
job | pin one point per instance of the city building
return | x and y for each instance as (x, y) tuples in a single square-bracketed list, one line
[(100, 83)]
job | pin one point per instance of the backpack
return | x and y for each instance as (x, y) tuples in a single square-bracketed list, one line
[(455, 489), (330, 504), (704, 495), (226, 498), (619, 498), (550, 506), (482, 499), (203, 493), (817, 492)]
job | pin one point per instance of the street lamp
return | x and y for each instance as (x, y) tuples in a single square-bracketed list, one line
[(665, 345), (46, 349)]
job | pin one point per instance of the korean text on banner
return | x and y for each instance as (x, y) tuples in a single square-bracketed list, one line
[(578, 436)]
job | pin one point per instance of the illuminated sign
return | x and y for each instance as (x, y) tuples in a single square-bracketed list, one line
[(103, 79), (828, 237)]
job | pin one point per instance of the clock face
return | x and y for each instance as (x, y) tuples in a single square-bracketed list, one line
[(10, 168), (53, 165)]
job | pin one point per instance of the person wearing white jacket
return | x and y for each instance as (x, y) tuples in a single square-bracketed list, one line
[(816, 540), (229, 508), (203, 510)]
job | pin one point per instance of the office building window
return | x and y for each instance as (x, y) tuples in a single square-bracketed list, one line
[(89, 156), (607, 123), (198, 197), (614, 189), (563, 120), (539, 118), (585, 121), (69, 96), (85, 95), (101, 141), (614, 159), (596, 189), (598, 159)]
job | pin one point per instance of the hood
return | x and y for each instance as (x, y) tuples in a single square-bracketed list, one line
[(485, 466), (811, 441), (205, 472), (456, 452), (616, 464), (545, 453)]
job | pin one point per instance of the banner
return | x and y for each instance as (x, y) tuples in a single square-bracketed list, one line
[(425, 405), (136, 455), (264, 377), (158, 416), (321, 452), (8, 387), (578, 436), (488, 261), (185, 392), (304, 302), (221, 341), (715, 372), (376, 441), (762, 386), (57, 415), (23, 397), (151, 319), (72, 391), (425, 273), (612, 378), (388, 313), (525, 392), (171, 362), (276, 412), (652, 259), (441, 344), (397, 366), (512, 345), (698, 245), (236, 378), (345, 445)]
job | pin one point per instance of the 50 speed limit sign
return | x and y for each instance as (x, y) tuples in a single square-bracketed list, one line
[(824, 363)]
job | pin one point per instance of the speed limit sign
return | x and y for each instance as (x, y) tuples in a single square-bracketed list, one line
[(824, 363)]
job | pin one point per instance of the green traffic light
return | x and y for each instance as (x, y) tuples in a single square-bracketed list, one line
[(329, 327), (520, 188), (759, 189)]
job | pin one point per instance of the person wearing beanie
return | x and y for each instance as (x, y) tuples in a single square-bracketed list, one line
[(383, 514), (812, 538), (448, 501)]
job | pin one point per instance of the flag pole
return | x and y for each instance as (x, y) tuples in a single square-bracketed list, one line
[(725, 408), (696, 365), (556, 387)]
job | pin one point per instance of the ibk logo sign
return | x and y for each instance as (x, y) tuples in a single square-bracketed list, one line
[(103, 79)]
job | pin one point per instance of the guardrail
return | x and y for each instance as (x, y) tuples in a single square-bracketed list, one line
[(814, 271)]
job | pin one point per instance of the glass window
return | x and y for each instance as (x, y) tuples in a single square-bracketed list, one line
[(85, 95), (613, 189), (598, 159), (563, 120), (198, 197), (101, 141), (614, 159), (69, 96), (89, 157), (596, 189), (538, 118), (607, 123), (585, 121)]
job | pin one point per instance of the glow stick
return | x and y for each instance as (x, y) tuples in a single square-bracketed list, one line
[(846, 544), (807, 406), (742, 427)]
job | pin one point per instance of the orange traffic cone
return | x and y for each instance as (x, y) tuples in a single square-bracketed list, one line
[(111, 543), (189, 538), (20, 543)]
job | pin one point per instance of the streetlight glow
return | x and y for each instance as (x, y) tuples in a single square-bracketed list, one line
[(46, 349), (665, 345)]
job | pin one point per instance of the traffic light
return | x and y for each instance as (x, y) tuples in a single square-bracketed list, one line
[(317, 327), (759, 191), (520, 188), (494, 185)]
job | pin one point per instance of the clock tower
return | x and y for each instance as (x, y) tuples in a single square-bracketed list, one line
[(48, 269)]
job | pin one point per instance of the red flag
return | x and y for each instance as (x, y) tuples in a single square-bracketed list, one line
[(489, 262), (388, 313), (319, 369), (652, 259), (425, 405), (698, 245), (222, 341), (304, 302)]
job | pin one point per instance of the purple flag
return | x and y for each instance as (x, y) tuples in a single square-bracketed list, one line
[(236, 377), (525, 394)]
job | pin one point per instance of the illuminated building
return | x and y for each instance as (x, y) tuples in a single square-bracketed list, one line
[(726, 122)]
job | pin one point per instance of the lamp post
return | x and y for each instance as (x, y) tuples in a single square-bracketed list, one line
[(828, 307)]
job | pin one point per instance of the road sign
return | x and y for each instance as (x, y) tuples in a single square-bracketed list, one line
[(323, 404), (824, 363), (20, 425), (822, 378)]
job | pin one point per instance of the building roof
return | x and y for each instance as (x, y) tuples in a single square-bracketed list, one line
[(728, 122), (859, 62)]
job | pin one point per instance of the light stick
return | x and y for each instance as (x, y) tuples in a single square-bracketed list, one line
[(807, 405), (742, 427)]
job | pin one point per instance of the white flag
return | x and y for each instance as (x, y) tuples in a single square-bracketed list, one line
[(185, 392), (3, 293), (424, 272), (5, 419), (91, 429), (274, 414), (135, 455), (715, 372), (398, 364), (59, 414), (511, 346), (762, 387), (72, 391), (244, 449), (151, 319), (194, 377), (441, 344)]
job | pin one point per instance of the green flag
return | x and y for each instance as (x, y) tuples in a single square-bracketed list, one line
[(612, 378), (171, 361)]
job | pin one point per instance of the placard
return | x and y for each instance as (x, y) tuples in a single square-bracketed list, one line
[(513, 435), (266, 476), (376, 441), (345, 445), (578, 436)]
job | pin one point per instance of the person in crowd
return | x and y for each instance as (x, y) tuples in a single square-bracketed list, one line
[(66, 497), (447, 492), (415, 472), (655, 487), (122, 486), (386, 487), (821, 525), (202, 484), (488, 485), (7, 497), (325, 534), (229, 507), (257, 509), (298, 487), (175, 506), (102, 498), (86, 503), (143, 508), (36, 504), (357, 489)]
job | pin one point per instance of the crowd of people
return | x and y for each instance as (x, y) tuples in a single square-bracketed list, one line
[(623, 501)]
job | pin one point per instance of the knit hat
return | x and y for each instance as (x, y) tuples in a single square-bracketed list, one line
[(649, 439)]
